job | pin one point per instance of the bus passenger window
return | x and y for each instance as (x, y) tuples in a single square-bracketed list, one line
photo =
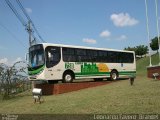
[(52, 56)]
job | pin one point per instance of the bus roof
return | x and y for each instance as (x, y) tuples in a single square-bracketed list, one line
[(83, 47)]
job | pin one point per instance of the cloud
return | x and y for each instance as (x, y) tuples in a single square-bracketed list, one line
[(28, 10), (105, 34), (10, 63), (4, 60), (18, 59), (122, 37), (90, 41), (123, 19)]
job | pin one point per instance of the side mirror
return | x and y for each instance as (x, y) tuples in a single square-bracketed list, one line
[(27, 57)]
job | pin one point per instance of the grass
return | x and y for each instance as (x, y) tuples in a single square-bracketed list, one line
[(144, 62), (118, 97)]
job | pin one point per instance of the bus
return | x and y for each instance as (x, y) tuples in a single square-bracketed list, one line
[(54, 62)]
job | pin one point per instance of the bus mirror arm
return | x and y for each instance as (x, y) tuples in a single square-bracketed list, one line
[(26, 57)]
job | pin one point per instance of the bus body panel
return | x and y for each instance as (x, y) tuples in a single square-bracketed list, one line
[(85, 69), (54, 73)]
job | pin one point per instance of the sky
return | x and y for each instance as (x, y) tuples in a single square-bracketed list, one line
[(114, 24)]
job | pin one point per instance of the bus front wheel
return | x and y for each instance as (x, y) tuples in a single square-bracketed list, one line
[(114, 75), (67, 77)]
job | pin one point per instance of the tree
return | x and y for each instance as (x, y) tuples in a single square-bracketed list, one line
[(130, 48), (10, 76), (154, 44), (139, 50)]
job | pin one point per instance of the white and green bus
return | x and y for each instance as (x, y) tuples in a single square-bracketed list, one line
[(53, 62)]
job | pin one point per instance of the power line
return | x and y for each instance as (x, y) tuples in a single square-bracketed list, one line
[(20, 18), (24, 11), (27, 16), (24, 23), (16, 13), (15, 38)]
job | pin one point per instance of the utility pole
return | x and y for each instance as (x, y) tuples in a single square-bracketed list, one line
[(29, 29), (147, 25), (156, 4), (30, 33)]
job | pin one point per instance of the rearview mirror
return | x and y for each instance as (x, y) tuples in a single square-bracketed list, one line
[(27, 57)]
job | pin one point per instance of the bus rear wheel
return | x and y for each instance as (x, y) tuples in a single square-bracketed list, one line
[(67, 77), (114, 75)]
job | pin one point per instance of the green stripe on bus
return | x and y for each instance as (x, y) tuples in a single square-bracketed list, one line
[(94, 73), (34, 72), (82, 75), (129, 73)]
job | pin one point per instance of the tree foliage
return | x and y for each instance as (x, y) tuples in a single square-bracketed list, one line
[(130, 48), (154, 44), (139, 50), (11, 77)]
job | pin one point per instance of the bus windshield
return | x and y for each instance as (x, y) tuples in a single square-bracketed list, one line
[(36, 56)]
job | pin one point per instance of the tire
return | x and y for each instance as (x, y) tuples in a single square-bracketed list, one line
[(67, 77), (114, 75)]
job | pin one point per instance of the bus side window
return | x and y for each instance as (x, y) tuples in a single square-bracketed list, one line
[(81, 55), (68, 54), (52, 56)]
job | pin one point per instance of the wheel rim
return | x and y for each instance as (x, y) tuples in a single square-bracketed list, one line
[(68, 78), (114, 76)]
